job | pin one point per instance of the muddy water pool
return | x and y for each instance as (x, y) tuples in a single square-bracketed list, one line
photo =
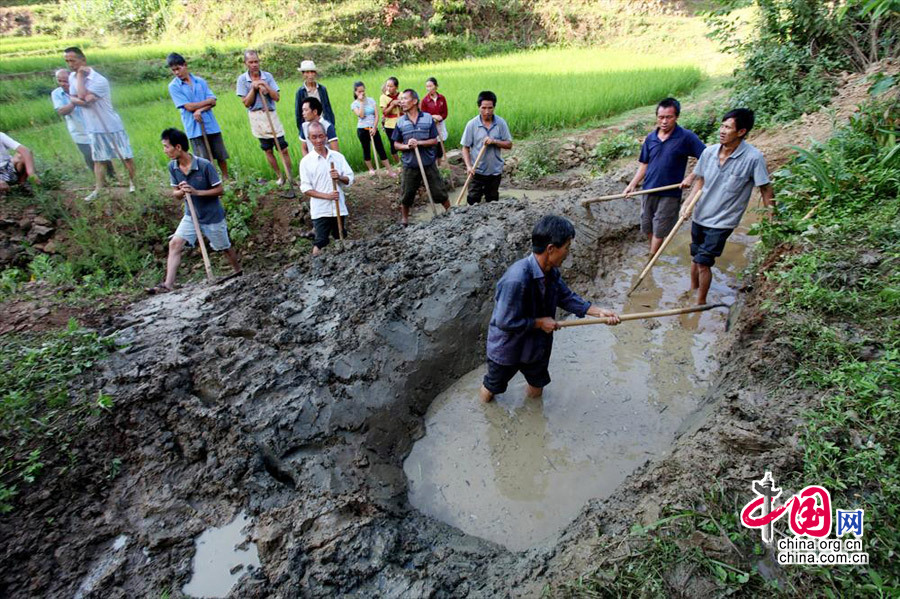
[(518, 470)]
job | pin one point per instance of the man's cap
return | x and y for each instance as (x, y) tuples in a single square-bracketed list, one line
[(307, 65)]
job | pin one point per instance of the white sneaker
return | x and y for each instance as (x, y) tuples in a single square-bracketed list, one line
[(131, 187), (91, 196)]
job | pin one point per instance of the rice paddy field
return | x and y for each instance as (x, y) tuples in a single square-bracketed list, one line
[(539, 91)]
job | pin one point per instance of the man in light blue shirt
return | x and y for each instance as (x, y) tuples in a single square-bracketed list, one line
[(727, 171), (74, 118), (195, 100), (490, 132)]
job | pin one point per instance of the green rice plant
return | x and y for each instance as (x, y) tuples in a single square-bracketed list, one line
[(16, 46), (585, 85)]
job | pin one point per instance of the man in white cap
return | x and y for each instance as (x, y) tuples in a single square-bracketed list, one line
[(311, 89)]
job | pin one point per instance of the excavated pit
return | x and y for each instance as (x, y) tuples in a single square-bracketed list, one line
[(295, 396)]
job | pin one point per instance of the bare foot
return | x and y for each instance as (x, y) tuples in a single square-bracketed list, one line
[(533, 392), (486, 396)]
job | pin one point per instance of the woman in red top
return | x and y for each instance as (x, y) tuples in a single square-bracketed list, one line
[(436, 105)]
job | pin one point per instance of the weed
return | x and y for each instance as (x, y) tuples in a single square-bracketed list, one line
[(537, 161), (38, 414), (612, 148)]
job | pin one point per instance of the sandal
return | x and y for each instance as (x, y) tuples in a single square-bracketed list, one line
[(161, 288)]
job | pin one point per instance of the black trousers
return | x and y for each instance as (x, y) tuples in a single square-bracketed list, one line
[(363, 134), (483, 185)]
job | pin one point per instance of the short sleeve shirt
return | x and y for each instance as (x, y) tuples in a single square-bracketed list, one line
[(7, 145), (667, 160), (197, 90), (201, 176), (99, 116), (424, 128), (473, 138), (74, 120), (370, 110), (727, 188), (243, 88), (330, 133)]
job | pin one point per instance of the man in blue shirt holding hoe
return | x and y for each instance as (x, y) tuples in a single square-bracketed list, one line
[(520, 334)]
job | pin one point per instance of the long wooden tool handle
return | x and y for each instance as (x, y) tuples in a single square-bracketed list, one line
[(206, 140), (337, 208), (667, 240), (287, 172), (375, 157), (206, 264), (641, 315), (462, 193), (616, 196), (425, 181)]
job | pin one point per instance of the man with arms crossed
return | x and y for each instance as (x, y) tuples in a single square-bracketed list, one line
[(73, 115), (663, 159), (520, 335), (319, 170), (90, 90), (728, 171)]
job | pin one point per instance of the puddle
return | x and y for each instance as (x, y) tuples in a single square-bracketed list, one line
[(223, 557), (519, 470)]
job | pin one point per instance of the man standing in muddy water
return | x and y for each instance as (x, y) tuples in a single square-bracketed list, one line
[(520, 334), (663, 160), (727, 171)]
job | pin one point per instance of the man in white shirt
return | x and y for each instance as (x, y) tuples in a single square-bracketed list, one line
[(14, 168), (323, 175), (74, 117), (90, 90)]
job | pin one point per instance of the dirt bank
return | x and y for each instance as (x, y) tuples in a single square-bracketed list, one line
[(294, 395)]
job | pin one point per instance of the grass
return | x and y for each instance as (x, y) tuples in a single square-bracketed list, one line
[(38, 414), (13, 46), (594, 84)]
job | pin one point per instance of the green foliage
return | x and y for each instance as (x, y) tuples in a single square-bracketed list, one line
[(241, 200), (704, 122), (838, 302), (786, 65), (136, 18), (617, 146), (38, 415), (537, 160)]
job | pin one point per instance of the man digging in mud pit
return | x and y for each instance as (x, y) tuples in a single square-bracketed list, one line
[(520, 334), (727, 171), (195, 176)]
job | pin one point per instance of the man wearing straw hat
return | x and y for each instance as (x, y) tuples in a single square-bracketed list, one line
[(416, 129), (311, 89), (90, 89), (189, 174), (490, 133), (520, 334), (663, 160), (195, 101), (251, 86), (323, 175)]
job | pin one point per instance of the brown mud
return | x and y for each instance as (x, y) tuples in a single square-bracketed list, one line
[(294, 396)]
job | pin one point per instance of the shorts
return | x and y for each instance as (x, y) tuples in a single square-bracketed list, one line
[(707, 243), (659, 214), (216, 144), (327, 226), (267, 143), (8, 173), (85, 150), (216, 234), (497, 377), (109, 146), (412, 180), (487, 186)]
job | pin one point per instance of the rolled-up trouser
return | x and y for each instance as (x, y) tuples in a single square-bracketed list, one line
[(487, 186), (412, 180), (85, 150), (659, 214)]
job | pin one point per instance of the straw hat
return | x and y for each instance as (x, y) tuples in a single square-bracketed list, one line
[(307, 65)]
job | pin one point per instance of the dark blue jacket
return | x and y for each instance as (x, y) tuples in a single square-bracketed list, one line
[(323, 97), (523, 295)]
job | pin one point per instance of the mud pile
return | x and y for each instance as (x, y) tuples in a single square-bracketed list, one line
[(294, 395)]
